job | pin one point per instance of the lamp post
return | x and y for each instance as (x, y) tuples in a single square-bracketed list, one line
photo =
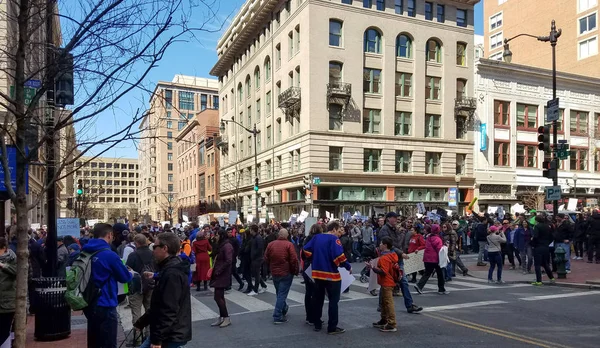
[(507, 55), (457, 179), (255, 132), (575, 184)]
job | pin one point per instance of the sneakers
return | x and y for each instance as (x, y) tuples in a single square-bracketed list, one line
[(568, 271), (280, 321), (500, 282), (574, 258), (579, 258), (491, 281), (396, 294), (380, 324), (443, 292), (414, 309), (481, 264), (388, 328), (552, 281), (373, 292), (337, 331), (465, 273), (418, 289), (537, 283), (252, 293), (525, 272), (262, 290)]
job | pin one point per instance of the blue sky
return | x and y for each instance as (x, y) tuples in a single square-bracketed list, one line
[(188, 58)]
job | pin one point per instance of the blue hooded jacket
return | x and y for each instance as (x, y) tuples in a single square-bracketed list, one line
[(107, 270), (194, 234)]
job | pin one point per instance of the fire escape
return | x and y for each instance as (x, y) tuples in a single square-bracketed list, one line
[(289, 102)]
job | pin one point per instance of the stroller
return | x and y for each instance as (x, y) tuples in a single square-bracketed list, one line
[(369, 252)]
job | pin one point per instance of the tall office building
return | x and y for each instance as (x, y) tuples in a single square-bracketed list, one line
[(172, 106), (577, 48), (372, 97)]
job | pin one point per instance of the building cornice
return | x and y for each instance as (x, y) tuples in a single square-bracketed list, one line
[(187, 129)]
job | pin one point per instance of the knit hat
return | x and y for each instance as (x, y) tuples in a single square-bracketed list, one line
[(494, 229), (74, 247), (435, 229)]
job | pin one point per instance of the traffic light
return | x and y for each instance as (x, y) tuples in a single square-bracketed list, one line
[(262, 202), (70, 203), (549, 169), (256, 184), (79, 187), (307, 182), (64, 79), (544, 138)]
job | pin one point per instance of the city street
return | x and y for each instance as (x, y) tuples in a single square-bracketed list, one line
[(475, 314)]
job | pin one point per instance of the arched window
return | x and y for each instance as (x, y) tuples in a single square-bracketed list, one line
[(434, 51), (267, 69), (335, 72), (372, 41), (240, 92), (248, 87), (257, 77), (403, 46)]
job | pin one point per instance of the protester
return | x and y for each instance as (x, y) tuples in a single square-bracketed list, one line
[(283, 263), (62, 257), (563, 237), (256, 257), (433, 245), (495, 240), (8, 289), (140, 261), (541, 239), (309, 284), (170, 313), (522, 243), (593, 233), (201, 249), (107, 271), (74, 251), (221, 277), (235, 243), (385, 278)]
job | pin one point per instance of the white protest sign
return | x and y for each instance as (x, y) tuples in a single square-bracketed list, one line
[(221, 220), (347, 279), (262, 220), (414, 263), (308, 224), (67, 227), (500, 212), (249, 218), (421, 208), (35, 226), (303, 216), (233, 215), (572, 205), (328, 215)]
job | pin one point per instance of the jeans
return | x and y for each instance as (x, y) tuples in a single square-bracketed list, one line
[(541, 257), (579, 248), (483, 254), (333, 290), (526, 258), (495, 260), (102, 324), (430, 267), (567, 247), (457, 263), (146, 344), (6, 320), (355, 250), (282, 288)]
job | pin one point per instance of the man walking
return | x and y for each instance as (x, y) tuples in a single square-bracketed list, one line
[(283, 262), (593, 232), (107, 270), (327, 255), (481, 238), (170, 314), (140, 261), (257, 247)]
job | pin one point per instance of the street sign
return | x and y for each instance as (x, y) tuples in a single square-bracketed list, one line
[(553, 112), (553, 193), (29, 94), (33, 83), (316, 180), (12, 167), (562, 150)]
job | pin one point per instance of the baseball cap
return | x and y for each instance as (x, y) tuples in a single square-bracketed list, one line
[(391, 214)]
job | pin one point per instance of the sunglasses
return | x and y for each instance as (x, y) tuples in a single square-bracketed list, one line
[(158, 246)]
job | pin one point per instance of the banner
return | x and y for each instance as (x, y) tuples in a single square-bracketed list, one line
[(452, 197), (67, 227), (414, 262)]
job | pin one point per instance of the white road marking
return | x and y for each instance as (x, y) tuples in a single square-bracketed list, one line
[(476, 286), (462, 305), (292, 295), (353, 295), (200, 311), (549, 297), (251, 303)]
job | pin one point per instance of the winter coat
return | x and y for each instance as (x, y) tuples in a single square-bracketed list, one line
[(542, 235), (367, 235), (580, 230), (522, 238), (139, 259), (37, 258), (593, 229), (397, 237), (8, 282), (433, 244), (495, 242), (62, 257), (563, 232), (416, 243), (481, 232), (257, 248), (347, 245), (452, 242), (282, 258), (201, 248), (221, 274), (170, 313), (355, 233)]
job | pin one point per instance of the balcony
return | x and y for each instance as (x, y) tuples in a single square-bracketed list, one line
[(465, 104), (289, 101), (222, 141), (339, 89)]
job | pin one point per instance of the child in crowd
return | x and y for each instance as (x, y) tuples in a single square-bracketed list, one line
[(385, 271)]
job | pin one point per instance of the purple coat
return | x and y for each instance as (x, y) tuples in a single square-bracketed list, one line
[(432, 249), (221, 274)]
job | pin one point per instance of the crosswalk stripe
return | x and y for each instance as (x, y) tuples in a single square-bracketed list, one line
[(469, 285), (462, 305), (353, 295), (549, 297), (435, 287), (250, 303), (200, 311), (359, 284), (478, 280), (292, 295)]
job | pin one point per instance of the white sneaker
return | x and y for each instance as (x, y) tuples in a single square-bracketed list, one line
[(574, 257), (261, 290), (568, 271), (580, 258), (252, 293)]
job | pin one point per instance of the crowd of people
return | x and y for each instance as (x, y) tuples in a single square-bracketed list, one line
[(162, 264)]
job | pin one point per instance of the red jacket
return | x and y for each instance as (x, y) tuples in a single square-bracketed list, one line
[(417, 242), (282, 258)]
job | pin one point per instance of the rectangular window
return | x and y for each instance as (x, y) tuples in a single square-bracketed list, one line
[(461, 54), (585, 5), (258, 111), (349, 2), (441, 13), (588, 48), (461, 127), (169, 145), (268, 170), (398, 8), (297, 38), (381, 5), (269, 137), (169, 156), (403, 124), (501, 113), (278, 56), (367, 3), (433, 88), (461, 18), (278, 124), (410, 8), (527, 156), (579, 159), (290, 44), (335, 158), (428, 10), (527, 116), (335, 33), (403, 161), (169, 135), (170, 187), (433, 162), (181, 125), (372, 158), (371, 121), (249, 115), (496, 40), (268, 103), (335, 117), (579, 123), (216, 102), (168, 100), (403, 84), (496, 21), (186, 100), (372, 81), (204, 102), (170, 177), (432, 126), (169, 124), (461, 164)]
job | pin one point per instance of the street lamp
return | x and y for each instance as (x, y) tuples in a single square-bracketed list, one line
[(507, 55), (457, 179), (575, 184), (255, 132)]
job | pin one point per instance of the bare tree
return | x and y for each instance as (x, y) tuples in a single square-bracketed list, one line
[(112, 45), (533, 199)]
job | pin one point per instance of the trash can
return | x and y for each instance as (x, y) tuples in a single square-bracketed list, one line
[(52, 312)]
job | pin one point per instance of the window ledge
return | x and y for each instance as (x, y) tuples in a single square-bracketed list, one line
[(527, 129), (373, 95), (404, 59), (462, 66), (433, 101), (373, 55), (501, 126), (409, 99), (336, 47), (432, 63)]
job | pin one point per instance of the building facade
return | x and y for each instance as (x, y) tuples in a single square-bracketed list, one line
[(196, 165), (511, 106), (110, 188), (374, 98), (577, 48), (172, 107)]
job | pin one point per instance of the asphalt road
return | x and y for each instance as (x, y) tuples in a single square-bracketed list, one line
[(474, 314)]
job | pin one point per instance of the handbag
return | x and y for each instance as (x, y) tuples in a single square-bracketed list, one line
[(210, 270)]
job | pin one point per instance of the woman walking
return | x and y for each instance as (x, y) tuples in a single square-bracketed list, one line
[(221, 276), (201, 248), (431, 258), (495, 240), (522, 244), (8, 289)]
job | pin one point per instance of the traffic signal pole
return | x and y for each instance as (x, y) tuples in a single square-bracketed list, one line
[(554, 35)]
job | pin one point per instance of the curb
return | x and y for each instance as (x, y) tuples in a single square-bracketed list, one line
[(588, 286)]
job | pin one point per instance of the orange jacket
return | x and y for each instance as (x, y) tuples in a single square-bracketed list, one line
[(386, 263)]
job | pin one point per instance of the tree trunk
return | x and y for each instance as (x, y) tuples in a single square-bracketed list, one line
[(22, 273)]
